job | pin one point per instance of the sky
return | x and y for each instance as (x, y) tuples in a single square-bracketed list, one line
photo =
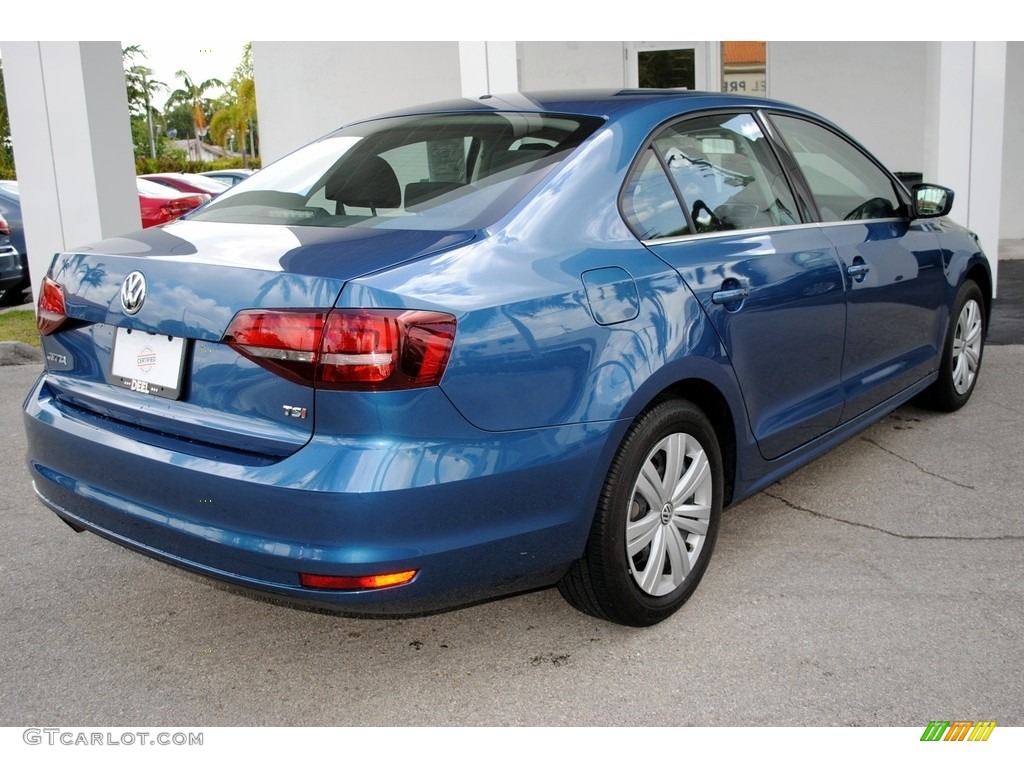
[(202, 59)]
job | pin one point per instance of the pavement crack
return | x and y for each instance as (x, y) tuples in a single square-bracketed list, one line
[(877, 529), (915, 464)]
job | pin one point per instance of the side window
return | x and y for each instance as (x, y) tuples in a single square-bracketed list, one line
[(723, 168), (650, 204), (726, 173), (846, 184)]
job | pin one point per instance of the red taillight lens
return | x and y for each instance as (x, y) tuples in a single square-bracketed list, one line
[(51, 311), (285, 342), (172, 209), (376, 581), (5, 228), (354, 349)]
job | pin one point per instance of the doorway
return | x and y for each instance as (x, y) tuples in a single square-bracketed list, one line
[(688, 65)]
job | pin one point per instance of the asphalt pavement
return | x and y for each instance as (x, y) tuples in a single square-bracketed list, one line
[(1007, 324), (881, 585)]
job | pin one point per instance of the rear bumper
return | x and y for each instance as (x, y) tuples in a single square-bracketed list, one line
[(476, 517)]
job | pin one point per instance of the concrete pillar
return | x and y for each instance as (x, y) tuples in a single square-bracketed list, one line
[(963, 136), (72, 145), (488, 67)]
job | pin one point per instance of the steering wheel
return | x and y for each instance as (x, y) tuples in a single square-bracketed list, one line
[(875, 208)]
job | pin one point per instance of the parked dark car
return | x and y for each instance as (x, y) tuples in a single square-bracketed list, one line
[(230, 176), (188, 182), (160, 204), (498, 344), (15, 283)]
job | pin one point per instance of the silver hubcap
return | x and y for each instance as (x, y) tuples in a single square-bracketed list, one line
[(967, 347), (669, 511)]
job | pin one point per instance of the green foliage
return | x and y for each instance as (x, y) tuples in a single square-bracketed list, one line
[(171, 164), (180, 119), (6, 148), (140, 140), (233, 125), (194, 95)]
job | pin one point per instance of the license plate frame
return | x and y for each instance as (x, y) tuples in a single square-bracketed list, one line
[(147, 363)]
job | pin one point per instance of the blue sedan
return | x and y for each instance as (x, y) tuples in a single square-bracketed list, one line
[(493, 345)]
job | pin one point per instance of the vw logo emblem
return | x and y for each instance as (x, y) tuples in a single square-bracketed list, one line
[(133, 292)]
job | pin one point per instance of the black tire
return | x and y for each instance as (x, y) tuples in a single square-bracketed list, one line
[(961, 352), (671, 544)]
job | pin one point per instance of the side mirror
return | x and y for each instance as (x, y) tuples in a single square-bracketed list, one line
[(931, 200)]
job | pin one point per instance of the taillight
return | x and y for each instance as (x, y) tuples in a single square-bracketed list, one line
[(172, 209), (51, 311), (5, 228), (353, 349)]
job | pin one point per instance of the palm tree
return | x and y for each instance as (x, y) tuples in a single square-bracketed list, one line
[(141, 89), (238, 115), (193, 94)]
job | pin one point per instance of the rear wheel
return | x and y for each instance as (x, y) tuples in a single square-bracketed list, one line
[(656, 520), (962, 351)]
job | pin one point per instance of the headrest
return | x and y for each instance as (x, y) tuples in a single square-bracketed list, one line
[(366, 181)]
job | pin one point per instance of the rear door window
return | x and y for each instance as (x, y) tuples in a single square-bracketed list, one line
[(720, 173)]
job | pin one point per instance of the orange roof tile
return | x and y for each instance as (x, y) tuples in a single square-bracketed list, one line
[(743, 52)]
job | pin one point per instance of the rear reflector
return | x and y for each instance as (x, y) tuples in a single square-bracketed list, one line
[(378, 581), (51, 311), (353, 349)]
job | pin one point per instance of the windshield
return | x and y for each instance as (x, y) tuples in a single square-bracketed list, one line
[(443, 172)]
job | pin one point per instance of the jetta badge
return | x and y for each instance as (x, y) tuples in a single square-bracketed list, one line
[(133, 292)]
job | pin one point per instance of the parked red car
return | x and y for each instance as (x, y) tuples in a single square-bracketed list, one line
[(188, 182), (160, 204)]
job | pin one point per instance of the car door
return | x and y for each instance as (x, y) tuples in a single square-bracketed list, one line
[(893, 266), (708, 196)]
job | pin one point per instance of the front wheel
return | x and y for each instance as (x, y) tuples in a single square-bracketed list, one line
[(656, 521), (962, 351)]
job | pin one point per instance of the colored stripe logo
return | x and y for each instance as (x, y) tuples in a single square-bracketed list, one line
[(958, 730)]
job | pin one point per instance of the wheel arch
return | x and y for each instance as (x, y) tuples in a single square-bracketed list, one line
[(713, 403), (980, 274), (712, 400)]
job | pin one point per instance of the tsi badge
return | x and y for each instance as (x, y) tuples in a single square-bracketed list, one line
[(294, 411)]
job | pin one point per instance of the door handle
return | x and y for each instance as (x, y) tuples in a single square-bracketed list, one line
[(858, 271), (730, 296)]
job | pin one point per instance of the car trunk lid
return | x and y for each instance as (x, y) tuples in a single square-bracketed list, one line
[(146, 315)]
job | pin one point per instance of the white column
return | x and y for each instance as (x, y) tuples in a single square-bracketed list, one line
[(72, 145), (488, 67), (988, 113), (963, 138)]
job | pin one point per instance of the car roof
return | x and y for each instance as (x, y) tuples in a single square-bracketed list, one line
[(607, 103)]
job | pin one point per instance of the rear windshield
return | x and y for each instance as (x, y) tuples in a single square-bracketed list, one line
[(461, 171)]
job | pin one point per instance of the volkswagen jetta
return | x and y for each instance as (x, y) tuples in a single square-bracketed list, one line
[(492, 345)]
